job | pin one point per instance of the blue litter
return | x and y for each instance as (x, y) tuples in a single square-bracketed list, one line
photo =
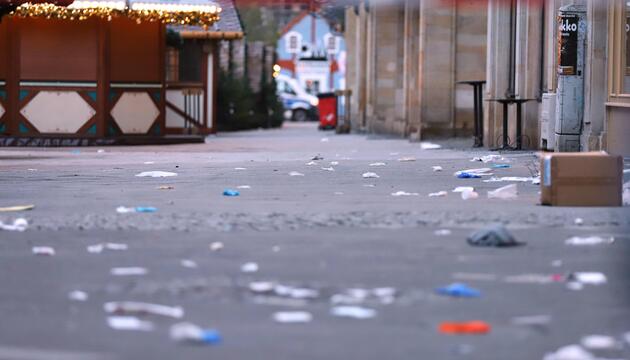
[(458, 290), (146, 209), (230, 192), (501, 166), (465, 175), (211, 337)]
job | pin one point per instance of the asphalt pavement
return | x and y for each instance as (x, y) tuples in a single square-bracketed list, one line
[(338, 237)]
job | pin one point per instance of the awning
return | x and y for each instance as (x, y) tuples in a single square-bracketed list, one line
[(183, 12)]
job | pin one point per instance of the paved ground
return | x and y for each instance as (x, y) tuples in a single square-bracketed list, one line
[(327, 230)]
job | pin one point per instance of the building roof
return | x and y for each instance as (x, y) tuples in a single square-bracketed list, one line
[(228, 27), (186, 12)]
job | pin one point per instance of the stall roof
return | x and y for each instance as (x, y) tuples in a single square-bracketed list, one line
[(200, 13), (228, 27)]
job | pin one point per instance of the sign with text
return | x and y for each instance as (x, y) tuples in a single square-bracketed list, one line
[(568, 44)]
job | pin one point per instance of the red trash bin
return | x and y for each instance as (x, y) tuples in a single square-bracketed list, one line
[(327, 110)]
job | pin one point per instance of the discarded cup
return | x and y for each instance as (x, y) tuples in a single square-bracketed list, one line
[(458, 290), (475, 327), (191, 333), (230, 192)]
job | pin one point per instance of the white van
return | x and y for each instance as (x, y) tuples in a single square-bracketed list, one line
[(298, 104)]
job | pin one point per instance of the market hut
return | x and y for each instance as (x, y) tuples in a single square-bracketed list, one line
[(90, 71)]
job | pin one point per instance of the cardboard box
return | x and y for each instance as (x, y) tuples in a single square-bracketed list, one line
[(581, 179)]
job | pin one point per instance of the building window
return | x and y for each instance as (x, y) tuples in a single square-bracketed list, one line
[(331, 43), (619, 52), (293, 42)]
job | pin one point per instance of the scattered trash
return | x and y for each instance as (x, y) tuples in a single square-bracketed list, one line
[(129, 323), (100, 151), (98, 248), (513, 179), (442, 232), (458, 290), (295, 292), (438, 194), (166, 187), (149, 162), (532, 320), (496, 235), (324, 140), (230, 192), (188, 264), (261, 286), (328, 168), (355, 312), (436, 168), (533, 278), (156, 174), (404, 193), (588, 278), (17, 208), (504, 193), (311, 163), (295, 173), (216, 246), (95, 249), (128, 271), (292, 317), (626, 193), (142, 308), (474, 277), (19, 224), (469, 195), (556, 263), (407, 159), (317, 158), (570, 352), (578, 221), (250, 267), (599, 342), (378, 164), (240, 168), (43, 251), (475, 327), (369, 185), (137, 209), (488, 158), (190, 333), (589, 240), (334, 163), (77, 295), (370, 175), (465, 175), (501, 166), (429, 146), (460, 189), (243, 187)]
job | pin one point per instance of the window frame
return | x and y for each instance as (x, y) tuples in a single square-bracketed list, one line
[(617, 63)]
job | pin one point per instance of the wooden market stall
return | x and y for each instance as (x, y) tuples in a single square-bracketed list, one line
[(92, 70)]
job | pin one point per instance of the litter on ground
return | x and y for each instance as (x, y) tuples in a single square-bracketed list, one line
[(438, 194), (142, 308), (19, 224), (354, 312), (186, 332), (404, 193), (78, 295), (43, 251), (156, 174), (370, 175), (231, 193), (458, 290), (129, 323), (504, 193), (496, 235), (250, 267), (295, 173), (137, 209), (475, 327), (128, 271), (589, 240), (17, 208), (292, 317)]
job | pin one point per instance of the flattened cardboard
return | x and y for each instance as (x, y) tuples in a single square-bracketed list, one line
[(581, 179)]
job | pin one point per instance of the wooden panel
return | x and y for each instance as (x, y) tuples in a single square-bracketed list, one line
[(3, 50), (135, 51), (58, 50)]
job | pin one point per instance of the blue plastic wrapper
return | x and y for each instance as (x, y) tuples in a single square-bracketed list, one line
[(211, 337), (501, 166), (146, 209), (230, 192), (458, 290), (465, 175)]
